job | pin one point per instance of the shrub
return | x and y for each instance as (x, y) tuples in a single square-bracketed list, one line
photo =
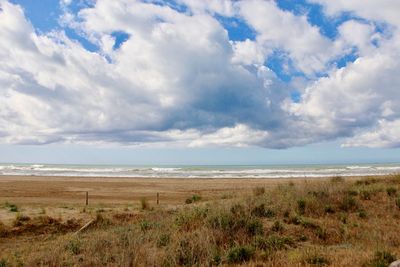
[(398, 202), (261, 211), (366, 194), (188, 219), (144, 204), (362, 214), (274, 242), (216, 259), (348, 203), (3, 263), (301, 206), (321, 233), (193, 199), (237, 210), (277, 226), (239, 254), (20, 219), (144, 225), (352, 193), (254, 227), (318, 260), (3, 230), (319, 194), (329, 209), (258, 211), (74, 246), (226, 222), (367, 181), (337, 179), (306, 223), (11, 207), (163, 240), (188, 252), (296, 220), (258, 191), (391, 191), (196, 198), (99, 221), (380, 259)]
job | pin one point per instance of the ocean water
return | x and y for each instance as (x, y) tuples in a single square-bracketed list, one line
[(228, 171)]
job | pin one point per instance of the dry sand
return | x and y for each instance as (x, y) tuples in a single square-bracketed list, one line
[(65, 196)]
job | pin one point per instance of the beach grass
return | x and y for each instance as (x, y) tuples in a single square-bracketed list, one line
[(334, 222)]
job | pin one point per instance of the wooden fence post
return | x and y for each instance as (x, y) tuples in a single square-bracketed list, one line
[(87, 198), (158, 198)]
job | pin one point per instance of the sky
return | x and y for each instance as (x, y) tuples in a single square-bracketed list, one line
[(199, 82)]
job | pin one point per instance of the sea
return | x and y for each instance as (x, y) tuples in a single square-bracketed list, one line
[(201, 171)]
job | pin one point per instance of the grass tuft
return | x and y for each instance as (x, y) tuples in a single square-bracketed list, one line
[(11, 207), (259, 191), (240, 254), (144, 204), (381, 258)]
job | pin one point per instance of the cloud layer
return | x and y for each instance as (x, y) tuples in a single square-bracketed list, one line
[(178, 78)]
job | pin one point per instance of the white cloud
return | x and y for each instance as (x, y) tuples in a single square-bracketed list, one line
[(248, 52), (386, 11), (178, 79), (222, 7), (386, 134), (359, 35), (158, 80), (285, 31), (354, 99)]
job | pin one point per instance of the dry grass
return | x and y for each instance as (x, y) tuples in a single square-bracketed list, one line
[(336, 222)]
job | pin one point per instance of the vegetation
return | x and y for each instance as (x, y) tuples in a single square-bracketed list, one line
[(337, 222)]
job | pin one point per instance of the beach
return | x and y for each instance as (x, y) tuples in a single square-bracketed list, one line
[(64, 197), (294, 220), (55, 192)]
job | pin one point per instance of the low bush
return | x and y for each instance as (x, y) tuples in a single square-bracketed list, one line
[(20, 219), (318, 260), (11, 207), (274, 242), (240, 254), (337, 179), (74, 246), (381, 258), (362, 214), (398, 202), (329, 209), (254, 227), (391, 191), (348, 203), (301, 206), (365, 194), (277, 226), (259, 191), (193, 199), (163, 240), (144, 204)]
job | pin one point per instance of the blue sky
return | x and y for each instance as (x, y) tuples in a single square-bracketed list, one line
[(206, 82)]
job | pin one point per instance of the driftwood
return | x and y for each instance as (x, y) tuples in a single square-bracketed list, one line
[(84, 227)]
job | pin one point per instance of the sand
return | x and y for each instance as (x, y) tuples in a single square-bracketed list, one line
[(65, 196)]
